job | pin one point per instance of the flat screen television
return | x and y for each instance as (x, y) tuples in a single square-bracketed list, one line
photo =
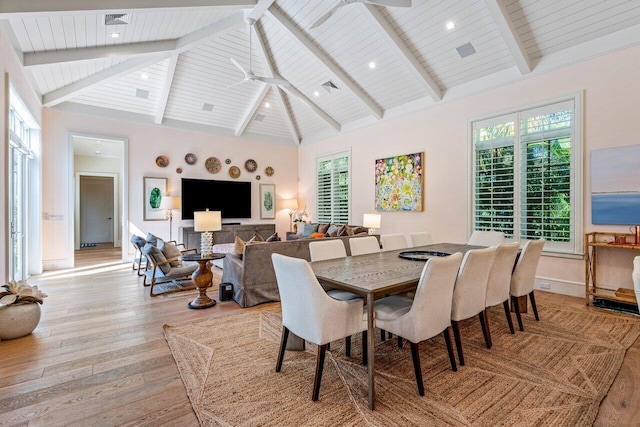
[(232, 198)]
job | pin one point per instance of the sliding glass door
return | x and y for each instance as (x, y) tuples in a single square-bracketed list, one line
[(17, 213)]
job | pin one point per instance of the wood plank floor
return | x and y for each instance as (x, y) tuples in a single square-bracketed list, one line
[(99, 357)]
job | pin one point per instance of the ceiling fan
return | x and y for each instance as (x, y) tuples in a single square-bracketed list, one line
[(249, 75), (341, 3)]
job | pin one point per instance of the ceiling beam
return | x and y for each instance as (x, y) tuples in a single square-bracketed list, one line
[(134, 64), (257, 12), (500, 17), (402, 51), (41, 8), (293, 91), (255, 104), (262, 51), (317, 53), (166, 88)]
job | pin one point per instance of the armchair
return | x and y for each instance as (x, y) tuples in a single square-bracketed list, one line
[(165, 266)]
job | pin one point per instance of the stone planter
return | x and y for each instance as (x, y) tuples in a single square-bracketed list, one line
[(18, 320)]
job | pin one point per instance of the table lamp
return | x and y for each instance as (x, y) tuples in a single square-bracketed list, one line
[(170, 203), (292, 205), (371, 221), (206, 222)]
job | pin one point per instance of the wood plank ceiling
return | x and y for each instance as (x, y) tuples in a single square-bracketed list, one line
[(170, 65)]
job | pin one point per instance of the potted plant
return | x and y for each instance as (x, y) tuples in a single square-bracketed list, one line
[(300, 216), (19, 309)]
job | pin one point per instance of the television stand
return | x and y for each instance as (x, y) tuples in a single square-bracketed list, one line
[(230, 223), (228, 234)]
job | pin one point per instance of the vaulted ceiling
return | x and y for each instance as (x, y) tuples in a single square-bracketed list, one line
[(171, 64)]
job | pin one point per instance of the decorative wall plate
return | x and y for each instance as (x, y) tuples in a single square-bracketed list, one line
[(162, 161), (227, 161), (179, 170), (234, 172), (258, 177), (269, 171), (213, 165), (250, 165), (190, 158)]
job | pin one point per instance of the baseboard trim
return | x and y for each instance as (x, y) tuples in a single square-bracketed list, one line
[(558, 286), (57, 264)]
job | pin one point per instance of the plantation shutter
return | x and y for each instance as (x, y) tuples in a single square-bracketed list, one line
[(333, 189)]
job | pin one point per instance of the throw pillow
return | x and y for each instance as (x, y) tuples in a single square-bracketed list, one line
[(300, 228), (360, 230), (257, 237), (157, 256), (342, 231), (316, 235), (238, 247), (254, 240), (308, 229), (171, 252), (273, 238), (333, 230), (152, 240), (322, 228), (138, 241)]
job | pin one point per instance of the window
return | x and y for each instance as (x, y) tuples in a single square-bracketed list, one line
[(334, 190), (527, 167)]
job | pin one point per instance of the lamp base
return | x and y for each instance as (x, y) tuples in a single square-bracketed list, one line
[(206, 242), (372, 231)]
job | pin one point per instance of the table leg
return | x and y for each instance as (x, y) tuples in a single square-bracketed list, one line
[(522, 303), (370, 355), (202, 279)]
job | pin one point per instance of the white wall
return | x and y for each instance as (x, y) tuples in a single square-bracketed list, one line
[(611, 93), (146, 142)]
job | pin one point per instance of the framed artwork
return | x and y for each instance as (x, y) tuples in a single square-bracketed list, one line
[(615, 186), (267, 201), (154, 189), (399, 183)]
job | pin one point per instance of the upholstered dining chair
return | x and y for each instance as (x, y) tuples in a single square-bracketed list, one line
[(524, 276), (486, 238), (470, 292), (311, 314), (499, 282), (427, 315), (392, 242), (422, 238), (364, 245)]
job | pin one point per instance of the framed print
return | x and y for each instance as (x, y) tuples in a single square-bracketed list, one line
[(267, 201), (154, 189), (399, 183)]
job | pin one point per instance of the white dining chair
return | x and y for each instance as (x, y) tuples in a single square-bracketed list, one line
[(364, 245), (427, 315), (311, 314), (470, 292), (392, 242), (524, 276), (422, 238), (486, 238), (499, 282)]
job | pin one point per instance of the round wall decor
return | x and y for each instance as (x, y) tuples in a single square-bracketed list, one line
[(227, 161), (269, 171), (179, 170), (250, 165), (234, 172), (213, 165), (258, 177), (191, 159), (162, 161)]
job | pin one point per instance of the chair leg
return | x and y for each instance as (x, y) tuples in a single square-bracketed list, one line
[(383, 335), (484, 323), (283, 346), (329, 346), (347, 346), (516, 306), (533, 305), (415, 355), (399, 341), (319, 366), (389, 335), (456, 337), (364, 348), (505, 304), (452, 358)]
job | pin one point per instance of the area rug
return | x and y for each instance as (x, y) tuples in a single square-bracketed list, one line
[(555, 373)]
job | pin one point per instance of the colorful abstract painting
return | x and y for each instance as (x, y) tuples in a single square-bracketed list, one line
[(615, 186), (399, 183)]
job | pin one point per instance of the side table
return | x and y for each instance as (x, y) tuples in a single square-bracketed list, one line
[(202, 278)]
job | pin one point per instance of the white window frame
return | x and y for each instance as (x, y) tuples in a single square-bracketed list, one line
[(575, 246), (333, 156)]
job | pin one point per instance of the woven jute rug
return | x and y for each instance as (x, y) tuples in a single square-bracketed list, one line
[(555, 373)]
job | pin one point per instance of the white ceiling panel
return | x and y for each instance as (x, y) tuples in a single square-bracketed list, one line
[(273, 123), (51, 77)]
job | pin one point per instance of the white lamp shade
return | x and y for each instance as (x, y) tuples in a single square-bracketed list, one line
[(207, 221), (170, 202), (290, 204), (371, 220)]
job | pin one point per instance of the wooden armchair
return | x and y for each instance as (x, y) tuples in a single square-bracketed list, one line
[(164, 266)]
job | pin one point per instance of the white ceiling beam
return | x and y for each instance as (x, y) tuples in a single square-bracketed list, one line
[(42, 8), (317, 53), (255, 104), (402, 51), (166, 88), (500, 17), (257, 12), (293, 91), (262, 51), (134, 64)]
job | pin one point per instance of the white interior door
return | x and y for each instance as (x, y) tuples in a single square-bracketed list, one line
[(96, 209)]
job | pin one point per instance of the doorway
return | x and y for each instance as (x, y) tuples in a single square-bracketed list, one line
[(96, 210)]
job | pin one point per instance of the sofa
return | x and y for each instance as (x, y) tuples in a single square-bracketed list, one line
[(252, 275)]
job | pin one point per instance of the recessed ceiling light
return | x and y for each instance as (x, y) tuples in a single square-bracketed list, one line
[(115, 35), (372, 65), (207, 107), (316, 93), (144, 76), (450, 25), (98, 152), (141, 93), (266, 104)]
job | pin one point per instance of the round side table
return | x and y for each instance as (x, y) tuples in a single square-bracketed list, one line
[(202, 279)]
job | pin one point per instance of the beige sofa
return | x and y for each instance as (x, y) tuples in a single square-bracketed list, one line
[(252, 276)]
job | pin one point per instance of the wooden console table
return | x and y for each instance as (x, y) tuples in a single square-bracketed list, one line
[(594, 242)]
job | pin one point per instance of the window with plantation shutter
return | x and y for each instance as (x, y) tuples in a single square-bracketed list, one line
[(333, 189), (526, 175)]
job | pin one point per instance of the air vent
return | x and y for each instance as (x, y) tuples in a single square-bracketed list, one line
[(141, 93), (117, 19), (259, 117), (207, 107), (466, 50), (330, 87)]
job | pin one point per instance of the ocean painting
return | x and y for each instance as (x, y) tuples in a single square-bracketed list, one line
[(615, 186)]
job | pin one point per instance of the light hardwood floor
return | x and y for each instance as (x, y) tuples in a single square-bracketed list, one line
[(99, 357)]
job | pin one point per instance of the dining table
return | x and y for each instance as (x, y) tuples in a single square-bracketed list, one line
[(374, 276)]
